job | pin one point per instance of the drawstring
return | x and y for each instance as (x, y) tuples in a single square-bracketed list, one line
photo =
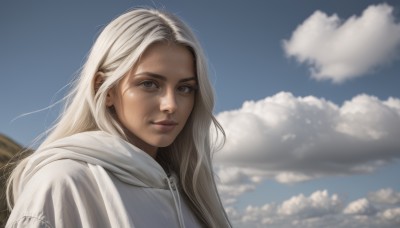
[(177, 203)]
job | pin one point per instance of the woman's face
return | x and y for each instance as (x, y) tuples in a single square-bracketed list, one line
[(154, 100)]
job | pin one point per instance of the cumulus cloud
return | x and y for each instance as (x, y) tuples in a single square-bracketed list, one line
[(360, 207), (339, 50), (391, 216), (318, 204), (320, 209), (233, 182), (385, 196), (294, 139)]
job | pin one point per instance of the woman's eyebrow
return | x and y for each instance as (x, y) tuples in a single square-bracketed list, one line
[(163, 78)]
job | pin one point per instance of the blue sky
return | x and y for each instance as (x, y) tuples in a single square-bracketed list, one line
[(308, 93)]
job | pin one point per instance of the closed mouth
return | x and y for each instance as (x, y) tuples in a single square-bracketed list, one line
[(166, 122)]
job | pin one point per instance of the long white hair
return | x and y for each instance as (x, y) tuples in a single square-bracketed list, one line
[(115, 52)]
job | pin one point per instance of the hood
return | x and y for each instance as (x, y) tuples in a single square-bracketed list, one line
[(127, 162)]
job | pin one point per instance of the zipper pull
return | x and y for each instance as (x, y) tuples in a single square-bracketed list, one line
[(171, 181)]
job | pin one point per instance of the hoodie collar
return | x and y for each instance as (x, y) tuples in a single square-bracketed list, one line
[(127, 162)]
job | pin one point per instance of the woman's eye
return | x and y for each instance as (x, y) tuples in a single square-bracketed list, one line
[(186, 89), (148, 85)]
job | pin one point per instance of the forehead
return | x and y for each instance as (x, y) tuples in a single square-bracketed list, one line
[(168, 59)]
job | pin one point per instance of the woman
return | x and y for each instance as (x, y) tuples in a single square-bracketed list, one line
[(132, 147)]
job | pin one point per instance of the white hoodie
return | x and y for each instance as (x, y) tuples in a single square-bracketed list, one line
[(94, 179)]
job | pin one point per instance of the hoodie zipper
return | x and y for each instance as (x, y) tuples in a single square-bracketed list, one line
[(177, 202)]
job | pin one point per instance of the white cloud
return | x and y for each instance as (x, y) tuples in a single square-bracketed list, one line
[(233, 182), (294, 139), (291, 177), (391, 216), (318, 204), (320, 209), (385, 196), (339, 50), (360, 207)]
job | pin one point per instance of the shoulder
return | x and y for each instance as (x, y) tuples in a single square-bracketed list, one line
[(60, 175), (62, 180), (61, 171), (56, 180), (60, 192)]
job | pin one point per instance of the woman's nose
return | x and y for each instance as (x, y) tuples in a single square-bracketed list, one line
[(168, 101)]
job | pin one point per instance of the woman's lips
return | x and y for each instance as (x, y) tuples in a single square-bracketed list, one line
[(165, 126)]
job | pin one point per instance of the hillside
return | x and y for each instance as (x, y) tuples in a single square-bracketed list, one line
[(8, 148)]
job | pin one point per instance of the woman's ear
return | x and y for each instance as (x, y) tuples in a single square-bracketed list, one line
[(99, 80)]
